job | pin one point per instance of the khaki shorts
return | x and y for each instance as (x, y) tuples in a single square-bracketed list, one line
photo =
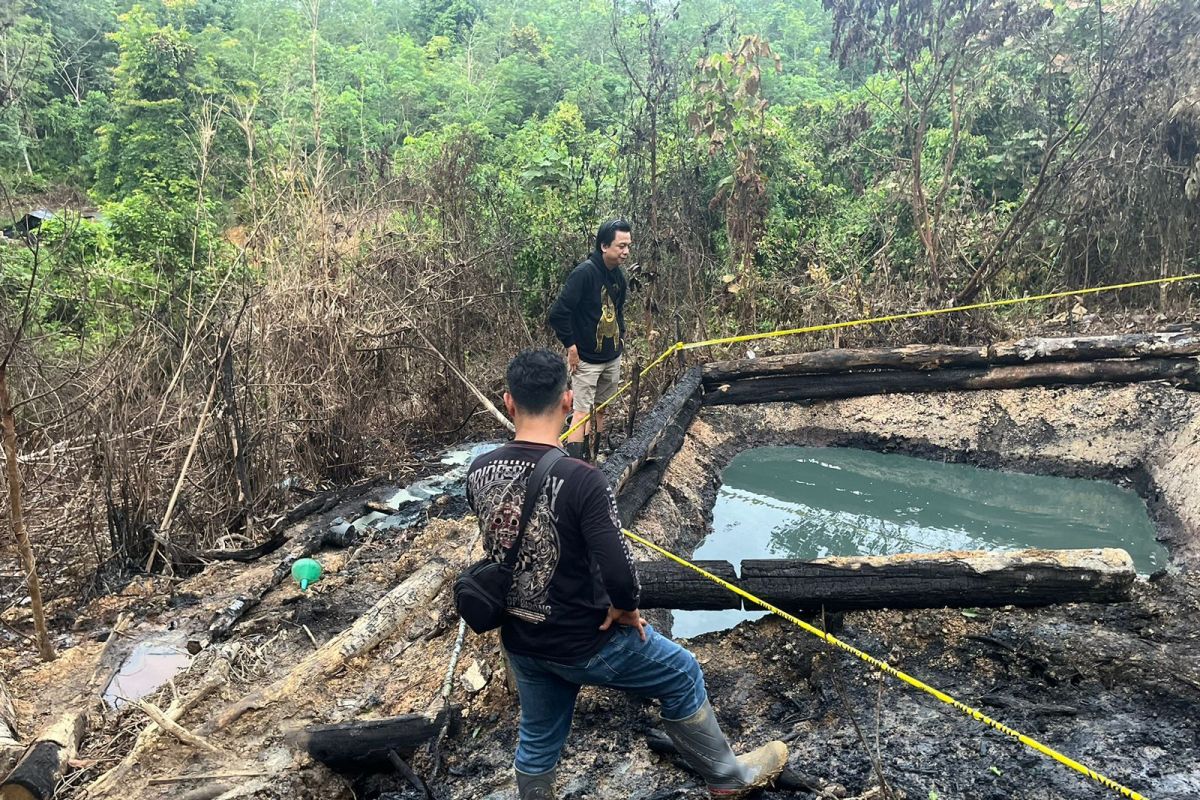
[(595, 383)]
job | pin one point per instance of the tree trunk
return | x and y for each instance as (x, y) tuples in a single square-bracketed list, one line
[(666, 584), (855, 384), (37, 773), (670, 409), (17, 520), (950, 579), (928, 357), (362, 744), (381, 621)]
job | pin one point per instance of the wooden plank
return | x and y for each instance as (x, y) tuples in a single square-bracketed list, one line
[(954, 579)]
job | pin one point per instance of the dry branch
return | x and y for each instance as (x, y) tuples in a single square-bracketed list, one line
[(175, 729), (378, 623)]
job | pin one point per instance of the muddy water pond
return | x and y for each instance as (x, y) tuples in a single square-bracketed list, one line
[(811, 502)]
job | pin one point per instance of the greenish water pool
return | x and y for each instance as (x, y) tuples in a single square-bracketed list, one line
[(811, 502)]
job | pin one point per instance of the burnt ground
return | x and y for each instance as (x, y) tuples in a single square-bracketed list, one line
[(1116, 686)]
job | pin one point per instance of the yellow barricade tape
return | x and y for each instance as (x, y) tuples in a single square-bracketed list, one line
[(749, 337), (884, 667), (830, 326)]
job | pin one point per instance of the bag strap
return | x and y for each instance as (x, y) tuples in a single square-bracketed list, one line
[(533, 488)]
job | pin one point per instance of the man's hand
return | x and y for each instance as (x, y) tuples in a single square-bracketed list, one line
[(572, 359), (631, 618)]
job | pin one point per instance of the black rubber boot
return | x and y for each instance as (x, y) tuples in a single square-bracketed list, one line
[(536, 787), (704, 747)]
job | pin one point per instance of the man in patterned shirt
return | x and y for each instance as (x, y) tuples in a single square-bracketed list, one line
[(573, 608)]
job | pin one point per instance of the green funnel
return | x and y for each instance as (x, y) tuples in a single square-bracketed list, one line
[(305, 572)]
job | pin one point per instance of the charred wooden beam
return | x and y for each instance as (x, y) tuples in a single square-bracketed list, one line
[(854, 384), (37, 773), (955, 579), (666, 584), (635, 469), (922, 357), (365, 744)]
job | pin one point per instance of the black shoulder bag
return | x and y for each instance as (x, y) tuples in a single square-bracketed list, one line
[(481, 591)]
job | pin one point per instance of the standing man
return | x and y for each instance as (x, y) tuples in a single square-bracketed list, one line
[(572, 611), (589, 319)]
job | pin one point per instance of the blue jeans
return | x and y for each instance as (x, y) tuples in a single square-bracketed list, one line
[(657, 668)]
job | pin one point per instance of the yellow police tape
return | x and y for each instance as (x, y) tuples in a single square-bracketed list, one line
[(749, 337), (883, 666)]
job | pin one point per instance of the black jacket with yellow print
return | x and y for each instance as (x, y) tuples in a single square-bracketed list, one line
[(590, 310)]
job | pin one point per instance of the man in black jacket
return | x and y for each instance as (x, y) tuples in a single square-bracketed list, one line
[(572, 613), (589, 319)]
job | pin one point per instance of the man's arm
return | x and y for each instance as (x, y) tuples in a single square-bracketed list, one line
[(606, 544), (562, 313)]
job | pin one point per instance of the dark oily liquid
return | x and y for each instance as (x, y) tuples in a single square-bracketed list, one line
[(811, 502)]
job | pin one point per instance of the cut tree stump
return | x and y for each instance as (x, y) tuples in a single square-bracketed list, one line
[(378, 623), (923, 357), (666, 584), (364, 744), (37, 773), (953, 579), (856, 384)]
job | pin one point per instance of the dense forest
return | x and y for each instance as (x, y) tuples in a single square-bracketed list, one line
[(282, 228)]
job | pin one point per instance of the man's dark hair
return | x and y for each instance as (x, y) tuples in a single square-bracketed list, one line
[(536, 380), (608, 232)]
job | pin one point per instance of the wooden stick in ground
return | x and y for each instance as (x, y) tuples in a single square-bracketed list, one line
[(505, 421), (215, 676), (16, 518), (378, 623), (37, 773)]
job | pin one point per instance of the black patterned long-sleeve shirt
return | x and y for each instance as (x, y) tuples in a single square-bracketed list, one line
[(574, 562)]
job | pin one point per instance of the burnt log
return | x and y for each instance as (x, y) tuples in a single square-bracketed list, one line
[(666, 584), (923, 357), (953, 579), (772, 389), (37, 774), (635, 469), (365, 744)]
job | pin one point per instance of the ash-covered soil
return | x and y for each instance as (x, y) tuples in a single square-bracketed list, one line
[(1115, 686)]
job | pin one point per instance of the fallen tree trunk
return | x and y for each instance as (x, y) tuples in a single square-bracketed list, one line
[(923, 357), (855, 384), (636, 468), (37, 773), (366, 743), (378, 623), (666, 584), (955, 579)]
